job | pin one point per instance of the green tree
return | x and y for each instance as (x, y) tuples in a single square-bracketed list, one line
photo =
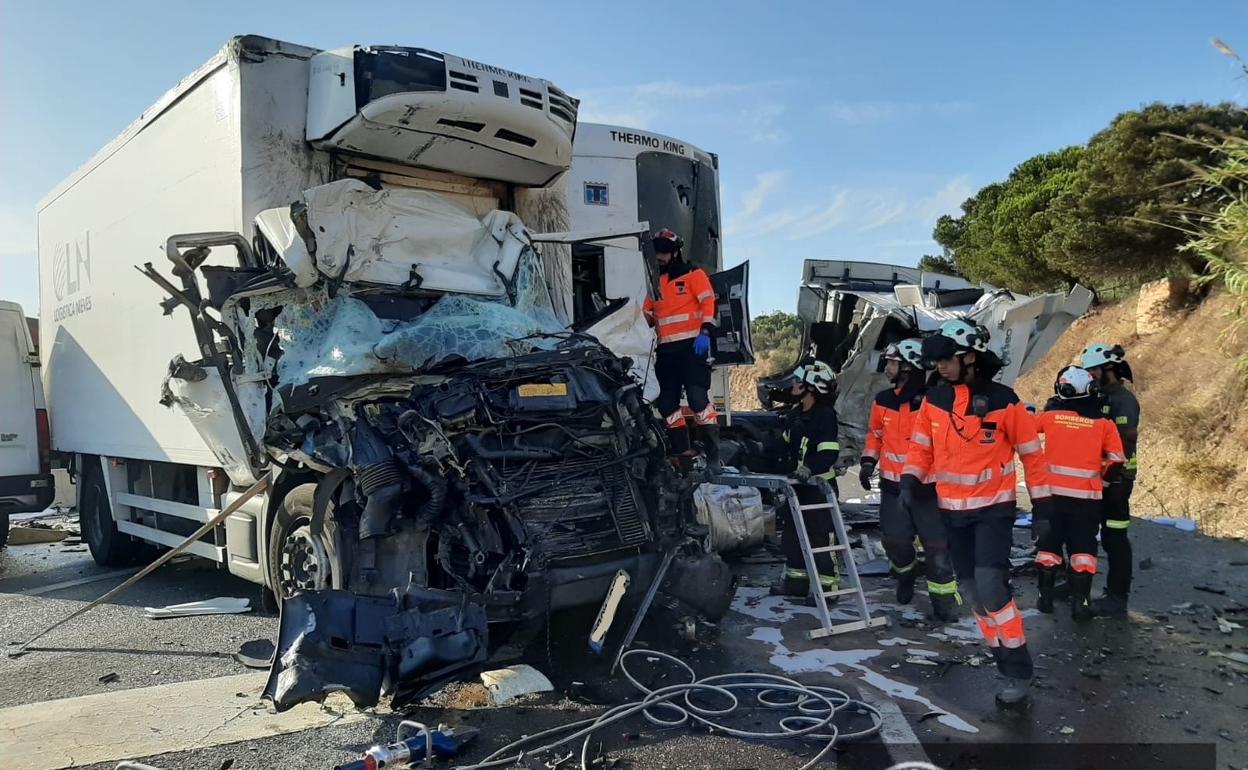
[(935, 263), (777, 337), (1122, 214), (999, 238)]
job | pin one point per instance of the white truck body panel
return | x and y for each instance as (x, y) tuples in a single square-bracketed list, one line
[(20, 395), (602, 190)]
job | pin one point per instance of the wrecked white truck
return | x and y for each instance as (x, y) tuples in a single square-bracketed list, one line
[(373, 331), (852, 311)]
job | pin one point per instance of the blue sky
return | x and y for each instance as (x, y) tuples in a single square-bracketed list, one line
[(843, 129)]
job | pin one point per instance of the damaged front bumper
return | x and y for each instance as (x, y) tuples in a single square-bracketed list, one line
[(338, 641)]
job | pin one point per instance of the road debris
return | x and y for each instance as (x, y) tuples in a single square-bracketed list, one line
[(1211, 590), (32, 534), (1226, 626), (109, 678), (506, 684), (222, 605), (1067, 730)]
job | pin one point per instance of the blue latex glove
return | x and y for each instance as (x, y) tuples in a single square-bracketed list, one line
[(702, 344)]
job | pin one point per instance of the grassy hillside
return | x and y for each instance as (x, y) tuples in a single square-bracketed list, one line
[(1193, 448)]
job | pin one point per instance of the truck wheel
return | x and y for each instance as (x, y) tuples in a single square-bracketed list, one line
[(298, 561), (109, 547)]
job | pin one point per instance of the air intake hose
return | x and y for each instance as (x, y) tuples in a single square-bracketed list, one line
[(381, 484), (378, 478)]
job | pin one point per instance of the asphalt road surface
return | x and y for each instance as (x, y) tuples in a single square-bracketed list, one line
[(1160, 678)]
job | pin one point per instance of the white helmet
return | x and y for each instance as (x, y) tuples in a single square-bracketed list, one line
[(1101, 354), (907, 351), (1074, 382), (967, 335), (817, 375)]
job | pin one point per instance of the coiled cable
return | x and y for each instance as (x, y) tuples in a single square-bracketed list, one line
[(674, 705)]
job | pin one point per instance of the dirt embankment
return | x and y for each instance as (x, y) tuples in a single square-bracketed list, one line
[(1193, 449)]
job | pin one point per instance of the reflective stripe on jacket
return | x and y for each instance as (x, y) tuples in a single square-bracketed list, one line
[(972, 458), (685, 303), (1077, 451), (889, 428)]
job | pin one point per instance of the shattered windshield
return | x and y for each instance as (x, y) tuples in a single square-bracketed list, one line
[(342, 336)]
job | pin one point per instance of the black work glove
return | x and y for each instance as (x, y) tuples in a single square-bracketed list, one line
[(1113, 473), (866, 468)]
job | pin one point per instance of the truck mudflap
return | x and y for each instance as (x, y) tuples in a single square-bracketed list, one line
[(338, 641)]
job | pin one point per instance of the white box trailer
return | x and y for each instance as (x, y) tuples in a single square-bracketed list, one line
[(622, 175), (252, 129)]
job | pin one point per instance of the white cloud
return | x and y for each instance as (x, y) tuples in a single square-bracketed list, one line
[(856, 210), (754, 198), (947, 200), (868, 113), (661, 105), (644, 104), (761, 123)]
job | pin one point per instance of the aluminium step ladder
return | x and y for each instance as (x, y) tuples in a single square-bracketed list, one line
[(839, 547)]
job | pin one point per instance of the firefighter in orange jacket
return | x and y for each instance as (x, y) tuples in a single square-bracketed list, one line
[(966, 434), (1081, 446), (684, 318), (888, 439)]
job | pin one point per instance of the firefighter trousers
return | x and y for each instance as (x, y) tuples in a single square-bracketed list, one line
[(979, 542), (818, 531), (899, 525), (1115, 518), (678, 368), (1069, 533)]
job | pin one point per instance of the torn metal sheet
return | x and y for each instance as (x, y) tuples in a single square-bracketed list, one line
[(220, 606), (509, 683), (336, 641)]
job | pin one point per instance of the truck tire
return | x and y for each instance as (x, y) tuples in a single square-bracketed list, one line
[(4, 529), (298, 561), (109, 546)]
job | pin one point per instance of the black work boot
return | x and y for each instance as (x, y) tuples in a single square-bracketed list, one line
[(1081, 596), (1015, 692), (709, 435), (944, 607), (1110, 605), (1061, 589), (678, 440), (905, 586), (1048, 577)]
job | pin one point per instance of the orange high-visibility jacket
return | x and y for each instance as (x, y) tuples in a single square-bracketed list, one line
[(1077, 451), (888, 431), (972, 458), (684, 304)]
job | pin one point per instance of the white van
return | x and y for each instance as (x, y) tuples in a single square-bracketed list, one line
[(25, 476)]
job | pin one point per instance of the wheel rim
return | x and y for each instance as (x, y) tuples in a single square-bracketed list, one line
[(304, 564)]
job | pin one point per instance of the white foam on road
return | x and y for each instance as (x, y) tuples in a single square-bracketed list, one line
[(775, 610), (145, 721), (836, 662)]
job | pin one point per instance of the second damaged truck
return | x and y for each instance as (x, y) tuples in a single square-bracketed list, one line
[(373, 332)]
